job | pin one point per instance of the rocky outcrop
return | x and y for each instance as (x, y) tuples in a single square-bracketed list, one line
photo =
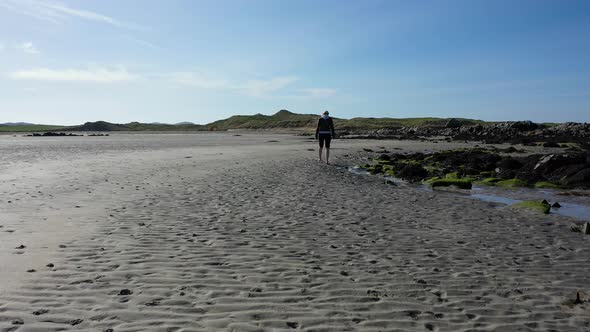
[(519, 131)]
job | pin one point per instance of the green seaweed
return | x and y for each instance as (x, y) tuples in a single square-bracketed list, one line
[(431, 180), (489, 181), (453, 175), (512, 183), (459, 183), (535, 206), (547, 185)]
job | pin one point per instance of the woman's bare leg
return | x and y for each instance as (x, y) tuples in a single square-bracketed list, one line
[(321, 154)]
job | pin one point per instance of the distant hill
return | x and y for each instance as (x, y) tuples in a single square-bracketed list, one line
[(27, 127), (286, 119), (283, 119), (17, 124), (132, 126)]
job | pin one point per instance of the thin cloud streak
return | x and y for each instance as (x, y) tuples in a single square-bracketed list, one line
[(198, 80), (252, 88), (101, 75), (56, 12), (262, 88)]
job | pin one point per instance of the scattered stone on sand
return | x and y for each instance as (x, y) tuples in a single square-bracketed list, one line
[(556, 205), (40, 312), (75, 322), (576, 228), (31, 270), (125, 291), (22, 246), (50, 265)]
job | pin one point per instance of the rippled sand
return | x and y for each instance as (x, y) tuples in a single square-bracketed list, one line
[(216, 232)]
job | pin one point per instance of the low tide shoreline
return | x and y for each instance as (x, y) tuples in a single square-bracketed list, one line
[(251, 233)]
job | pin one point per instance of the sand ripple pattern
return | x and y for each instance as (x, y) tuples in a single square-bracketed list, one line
[(293, 245)]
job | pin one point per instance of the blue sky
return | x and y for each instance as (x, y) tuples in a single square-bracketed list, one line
[(169, 61)]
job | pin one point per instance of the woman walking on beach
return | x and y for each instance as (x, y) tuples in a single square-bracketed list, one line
[(324, 133)]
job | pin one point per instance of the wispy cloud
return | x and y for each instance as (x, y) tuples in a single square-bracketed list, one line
[(56, 12), (252, 88), (319, 92), (141, 42), (28, 47), (262, 88), (198, 80), (100, 75)]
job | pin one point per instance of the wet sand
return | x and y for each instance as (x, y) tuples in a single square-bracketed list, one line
[(216, 232)]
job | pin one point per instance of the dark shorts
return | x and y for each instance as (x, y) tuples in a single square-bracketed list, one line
[(325, 138)]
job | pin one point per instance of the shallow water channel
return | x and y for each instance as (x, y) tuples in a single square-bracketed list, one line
[(571, 206)]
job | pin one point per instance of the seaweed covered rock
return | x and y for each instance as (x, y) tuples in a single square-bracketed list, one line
[(413, 173), (488, 166), (541, 207)]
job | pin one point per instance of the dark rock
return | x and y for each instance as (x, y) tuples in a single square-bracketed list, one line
[(22, 246), (75, 322), (580, 178), (576, 228), (509, 150), (384, 157), (292, 325), (40, 312), (453, 123), (544, 202), (376, 169), (125, 291), (50, 265), (509, 163), (586, 228), (413, 173), (17, 322), (556, 205), (414, 314)]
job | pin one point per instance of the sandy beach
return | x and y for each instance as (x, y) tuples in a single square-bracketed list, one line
[(220, 232)]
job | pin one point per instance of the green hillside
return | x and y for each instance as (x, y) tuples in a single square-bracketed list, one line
[(132, 126), (286, 119), (28, 128), (280, 120)]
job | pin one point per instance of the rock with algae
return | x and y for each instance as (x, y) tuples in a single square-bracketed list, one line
[(537, 206)]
